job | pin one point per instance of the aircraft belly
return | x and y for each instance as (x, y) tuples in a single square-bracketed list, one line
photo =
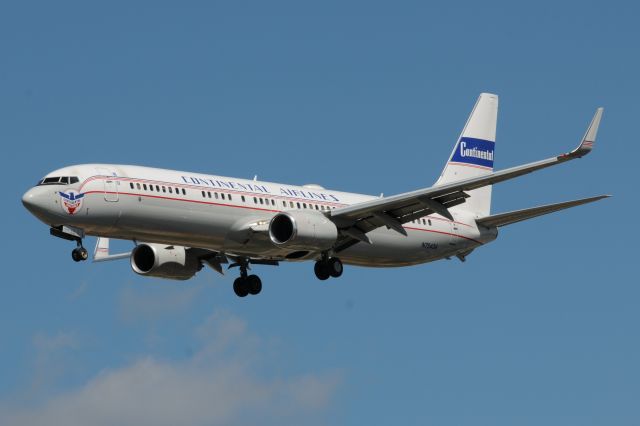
[(421, 245)]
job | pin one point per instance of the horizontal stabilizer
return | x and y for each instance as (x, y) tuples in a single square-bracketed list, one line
[(503, 219)]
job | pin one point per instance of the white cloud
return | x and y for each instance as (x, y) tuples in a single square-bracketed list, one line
[(50, 359), (218, 385)]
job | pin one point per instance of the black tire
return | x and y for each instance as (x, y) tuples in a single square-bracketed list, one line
[(321, 270), (84, 254), (75, 255), (334, 267), (254, 284), (240, 287)]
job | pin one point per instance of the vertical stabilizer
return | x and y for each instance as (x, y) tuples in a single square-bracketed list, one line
[(472, 154)]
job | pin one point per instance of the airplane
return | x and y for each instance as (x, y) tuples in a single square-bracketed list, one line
[(181, 221)]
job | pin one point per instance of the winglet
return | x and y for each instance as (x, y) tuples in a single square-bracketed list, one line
[(586, 145)]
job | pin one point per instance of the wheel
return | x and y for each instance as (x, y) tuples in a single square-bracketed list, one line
[(254, 284), (75, 255), (84, 254), (334, 266), (321, 270), (240, 287)]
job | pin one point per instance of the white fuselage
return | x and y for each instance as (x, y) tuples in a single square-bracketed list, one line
[(213, 212)]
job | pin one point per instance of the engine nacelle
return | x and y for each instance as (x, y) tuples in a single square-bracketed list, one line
[(163, 261), (302, 230)]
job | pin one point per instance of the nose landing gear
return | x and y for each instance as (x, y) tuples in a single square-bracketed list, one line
[(79, 253), (70, 233)]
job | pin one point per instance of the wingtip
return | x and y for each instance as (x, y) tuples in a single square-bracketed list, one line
[(589, 138), (592, 130), (600, 197)]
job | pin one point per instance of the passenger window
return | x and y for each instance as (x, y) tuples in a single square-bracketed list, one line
[(170, 190), (151, 188), (242, 197), (291, 203), (273, 202), (255, 200), (144, 185), (216, 195), (158, 188), (184, 192), (203, 194), (230, 199), (304, 205), (209, 194), (131, 185), (429, 222), (222, 195), (298, 204), (138, 185), (164, 189), (261, 200)]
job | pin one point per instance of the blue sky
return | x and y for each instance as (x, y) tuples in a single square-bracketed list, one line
[(539, 327)]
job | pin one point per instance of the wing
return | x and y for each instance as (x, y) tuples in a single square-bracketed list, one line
[(356, 220)]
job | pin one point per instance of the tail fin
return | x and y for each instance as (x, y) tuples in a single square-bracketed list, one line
[(472, 155)]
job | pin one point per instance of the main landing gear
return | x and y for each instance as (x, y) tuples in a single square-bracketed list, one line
[(247, 284), (328, 267)]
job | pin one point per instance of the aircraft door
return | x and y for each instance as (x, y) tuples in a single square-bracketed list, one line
[(457, 233), (111, 192)]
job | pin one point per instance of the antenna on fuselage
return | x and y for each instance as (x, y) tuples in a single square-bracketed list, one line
[(255, 178)]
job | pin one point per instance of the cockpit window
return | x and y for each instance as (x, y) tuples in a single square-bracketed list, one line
[(59, 180)]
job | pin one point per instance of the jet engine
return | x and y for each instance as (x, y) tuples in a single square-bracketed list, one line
[(302, 230), (163, 261)]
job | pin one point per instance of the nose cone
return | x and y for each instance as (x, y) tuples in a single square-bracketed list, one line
[(28, 200), (35, 201)]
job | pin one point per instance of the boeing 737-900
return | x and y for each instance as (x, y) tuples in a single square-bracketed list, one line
[(181, 221)]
